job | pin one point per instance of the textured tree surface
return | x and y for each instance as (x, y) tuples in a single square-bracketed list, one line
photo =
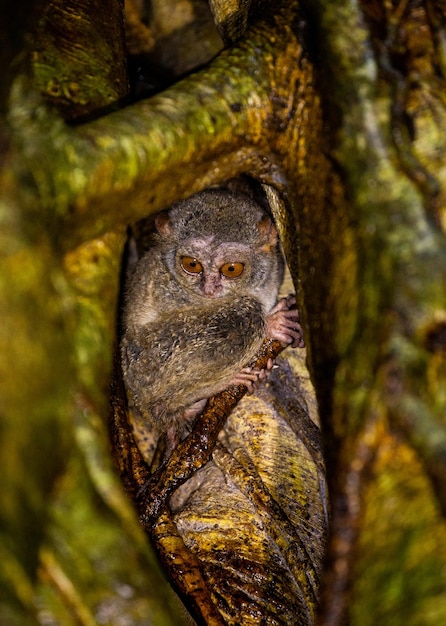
[(339, 108), (239, 522)]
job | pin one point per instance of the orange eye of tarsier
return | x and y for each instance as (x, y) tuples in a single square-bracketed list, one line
[(232, 270), (191, 265)]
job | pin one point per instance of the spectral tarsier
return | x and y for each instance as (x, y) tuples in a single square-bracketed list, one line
[(199, 305)]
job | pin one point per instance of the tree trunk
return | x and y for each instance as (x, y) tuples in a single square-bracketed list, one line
[(338, 108)]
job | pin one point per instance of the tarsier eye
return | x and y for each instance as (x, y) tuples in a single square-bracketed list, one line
[(232, 270), (191, 265)]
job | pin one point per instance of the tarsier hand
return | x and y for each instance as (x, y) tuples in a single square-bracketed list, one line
[(283, 323)]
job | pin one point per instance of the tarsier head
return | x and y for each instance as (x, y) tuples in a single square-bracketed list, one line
[(220, 243)]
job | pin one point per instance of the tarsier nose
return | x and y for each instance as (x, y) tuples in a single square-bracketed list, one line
[(211, 286)]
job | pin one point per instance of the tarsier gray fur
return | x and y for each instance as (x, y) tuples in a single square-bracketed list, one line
[(198, 306)]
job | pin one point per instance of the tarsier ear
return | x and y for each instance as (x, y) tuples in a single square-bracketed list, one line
[(162, 223), (268, 230)]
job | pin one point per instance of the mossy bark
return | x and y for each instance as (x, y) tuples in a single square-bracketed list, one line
[(338, 106)]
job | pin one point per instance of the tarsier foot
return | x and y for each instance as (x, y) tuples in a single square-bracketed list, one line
[(195, 409), (283, 323), (180, 426), (251, 377)]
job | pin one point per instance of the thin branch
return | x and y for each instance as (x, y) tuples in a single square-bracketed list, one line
[(195, 451), (151, 493), (183, 569)]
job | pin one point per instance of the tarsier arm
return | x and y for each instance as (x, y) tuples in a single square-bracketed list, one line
[(220, 349), (207, 350)]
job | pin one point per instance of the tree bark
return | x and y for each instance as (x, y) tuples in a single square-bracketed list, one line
[(339, 108)]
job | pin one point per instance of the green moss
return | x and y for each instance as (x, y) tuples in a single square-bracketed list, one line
[(400, 576)]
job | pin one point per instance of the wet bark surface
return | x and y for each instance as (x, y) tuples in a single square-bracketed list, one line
[(338, 108)]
